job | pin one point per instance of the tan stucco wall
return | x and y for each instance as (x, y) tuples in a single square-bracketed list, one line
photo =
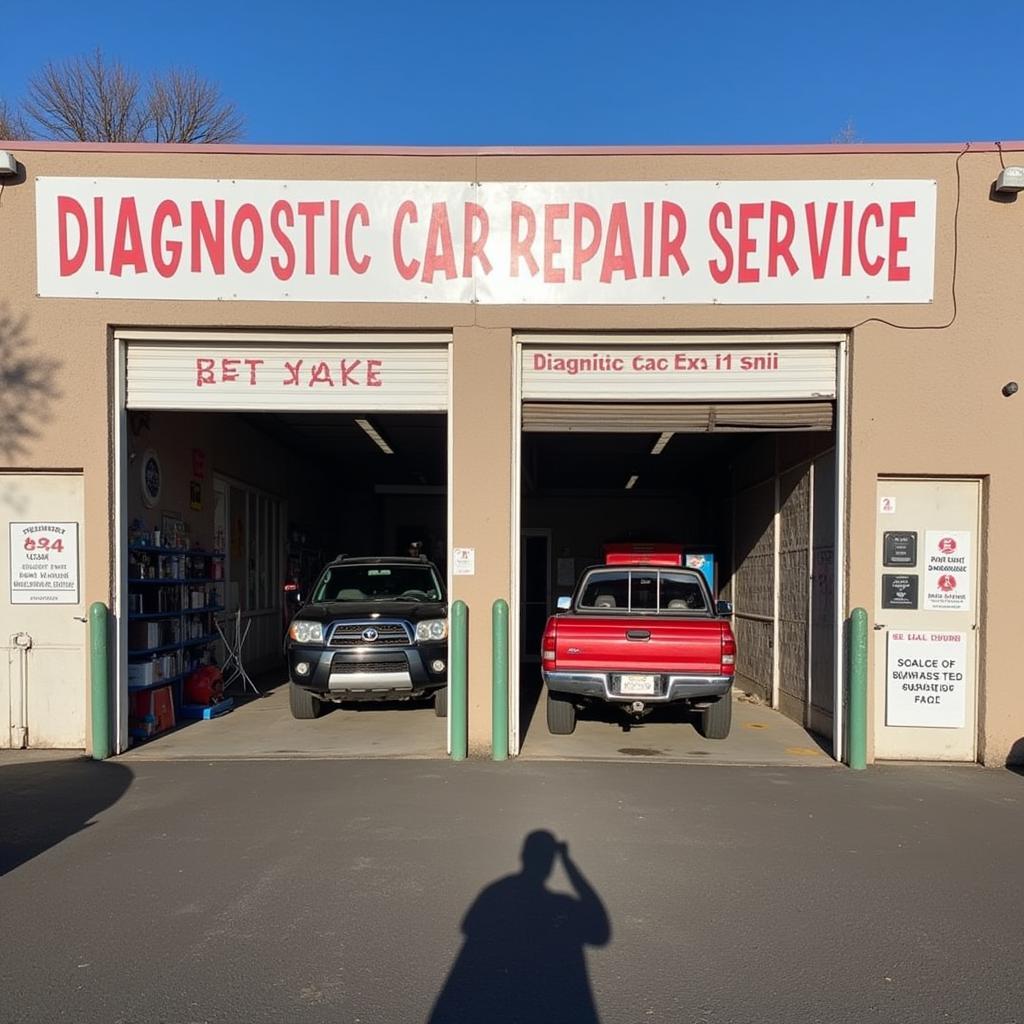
[(922, 401)]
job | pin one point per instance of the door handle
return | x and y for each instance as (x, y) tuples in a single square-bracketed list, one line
[(638, 634), (80, 618), (879, 625)]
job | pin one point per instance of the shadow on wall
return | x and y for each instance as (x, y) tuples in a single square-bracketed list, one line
[(44, 802), (27, 389), (524, 958), (1015, 758)]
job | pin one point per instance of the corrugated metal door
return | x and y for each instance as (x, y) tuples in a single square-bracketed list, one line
[(365, 373), (43, 671)]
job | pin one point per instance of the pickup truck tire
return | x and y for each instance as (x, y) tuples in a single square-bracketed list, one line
[(303, 704), (441, 702), (716, 719), (561, 716)]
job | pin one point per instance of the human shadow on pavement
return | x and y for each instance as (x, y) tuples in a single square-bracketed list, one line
[(44, 802), (524, 959)]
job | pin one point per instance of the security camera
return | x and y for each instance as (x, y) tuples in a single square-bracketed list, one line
[(1010, 388)]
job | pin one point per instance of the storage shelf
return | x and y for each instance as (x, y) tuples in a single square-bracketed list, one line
[(143, 652), (209, 638), (142, 616), (169, 681), (202, 579), (157, 579)]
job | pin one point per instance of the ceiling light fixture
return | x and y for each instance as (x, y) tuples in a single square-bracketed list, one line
[(631, 482), (371, 430), (659, 445)]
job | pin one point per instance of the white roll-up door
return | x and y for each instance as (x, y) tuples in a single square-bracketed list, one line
[(268, 373), (682, 383)]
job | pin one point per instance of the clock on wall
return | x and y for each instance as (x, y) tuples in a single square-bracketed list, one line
[(152, 478)]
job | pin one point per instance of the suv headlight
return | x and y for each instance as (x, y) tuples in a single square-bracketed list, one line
[(432, 629), (306, 632)]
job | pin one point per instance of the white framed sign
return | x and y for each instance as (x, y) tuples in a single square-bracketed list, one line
[(44, 563), (947, 570), (560, 242), (926, 679), (464, 562)]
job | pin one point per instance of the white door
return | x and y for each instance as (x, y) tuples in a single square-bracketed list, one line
[(927, 558), (42, 611)]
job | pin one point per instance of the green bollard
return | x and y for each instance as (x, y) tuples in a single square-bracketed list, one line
[(99, 680), (458, 692), (857, 704), (499, 680)]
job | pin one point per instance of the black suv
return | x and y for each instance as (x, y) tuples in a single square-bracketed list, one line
[(374, 629)]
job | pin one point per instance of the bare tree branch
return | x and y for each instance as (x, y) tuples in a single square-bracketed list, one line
[(848, 133), (96, 99), (12, 124)]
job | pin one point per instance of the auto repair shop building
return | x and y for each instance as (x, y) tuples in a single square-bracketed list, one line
[(796, 361)]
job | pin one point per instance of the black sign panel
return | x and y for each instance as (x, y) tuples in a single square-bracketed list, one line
[(899, 548), (899, 590)]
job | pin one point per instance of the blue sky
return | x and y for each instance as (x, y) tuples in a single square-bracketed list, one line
[(550, 73)]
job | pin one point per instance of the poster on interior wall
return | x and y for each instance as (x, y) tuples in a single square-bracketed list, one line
[(862, 241), (947, 570), (195, 492), (926, 679), (44, 563)]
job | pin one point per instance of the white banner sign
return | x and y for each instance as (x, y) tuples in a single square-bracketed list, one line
[(649, 242), (44, 563), (947, 570), (926, 679)]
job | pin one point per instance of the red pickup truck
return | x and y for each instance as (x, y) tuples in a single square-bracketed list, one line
[(639, 635)]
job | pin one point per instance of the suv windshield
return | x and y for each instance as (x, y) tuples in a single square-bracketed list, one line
[(647, 590), (378, 583)]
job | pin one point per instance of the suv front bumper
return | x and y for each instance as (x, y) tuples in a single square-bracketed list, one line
[(669, 686), (368, 673)]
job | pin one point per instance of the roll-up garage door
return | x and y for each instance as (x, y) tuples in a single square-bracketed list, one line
[(266, 372), (631, 384)]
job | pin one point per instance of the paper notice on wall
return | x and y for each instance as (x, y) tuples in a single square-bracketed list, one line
[(947, 570), (464, 562), (44, 563), (926, 679)]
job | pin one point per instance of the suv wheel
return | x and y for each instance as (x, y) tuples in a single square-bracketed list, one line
[(716, 719), (561, 716), (303, 704), (441, 702)]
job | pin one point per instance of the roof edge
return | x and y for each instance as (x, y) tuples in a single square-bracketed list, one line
[(253, 149)]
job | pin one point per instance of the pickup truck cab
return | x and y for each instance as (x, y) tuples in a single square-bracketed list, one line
[(635, 636)]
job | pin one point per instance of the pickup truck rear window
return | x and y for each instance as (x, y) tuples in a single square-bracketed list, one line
[(637, 590)]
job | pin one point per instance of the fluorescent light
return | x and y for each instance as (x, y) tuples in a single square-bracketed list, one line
[(631, 482), (378, 440), (659, 445)]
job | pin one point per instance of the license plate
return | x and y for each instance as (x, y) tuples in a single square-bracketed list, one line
[(638, 685)]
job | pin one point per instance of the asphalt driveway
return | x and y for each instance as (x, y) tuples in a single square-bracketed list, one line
[(387, 891)]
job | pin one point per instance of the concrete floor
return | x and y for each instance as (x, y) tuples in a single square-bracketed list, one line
[(759, 736), (264, 728)]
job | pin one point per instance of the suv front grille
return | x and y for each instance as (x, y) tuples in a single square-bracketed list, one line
[(353, 634)]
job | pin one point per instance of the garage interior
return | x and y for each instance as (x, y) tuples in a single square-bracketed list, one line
[(753, 484), (270, 497)]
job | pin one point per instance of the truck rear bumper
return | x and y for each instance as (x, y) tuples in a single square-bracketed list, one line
[(604, 686)]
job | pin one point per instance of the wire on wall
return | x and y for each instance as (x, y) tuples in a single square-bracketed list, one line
[(956, 248)]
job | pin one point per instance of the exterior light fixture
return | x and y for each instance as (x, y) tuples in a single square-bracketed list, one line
[(379, 441), (1011, 179), (1010, 388), (631, 482), (659, 445), (8, 164)]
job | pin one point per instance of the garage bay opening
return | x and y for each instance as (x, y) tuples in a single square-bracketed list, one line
[(284, 550), (678, 548)]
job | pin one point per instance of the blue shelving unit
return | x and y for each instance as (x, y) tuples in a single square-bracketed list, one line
[(162, 600)]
